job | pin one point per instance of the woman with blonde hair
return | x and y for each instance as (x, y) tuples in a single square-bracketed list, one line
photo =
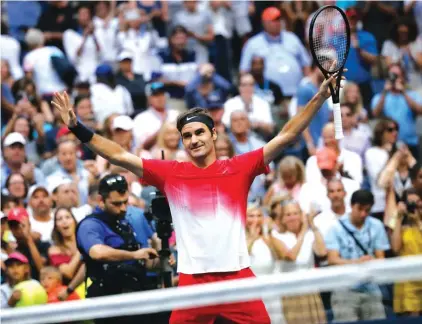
[(262, 255), (291, 177), (168, 140), (295, 244)]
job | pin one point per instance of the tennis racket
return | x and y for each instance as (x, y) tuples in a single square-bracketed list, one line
[(329, 41)]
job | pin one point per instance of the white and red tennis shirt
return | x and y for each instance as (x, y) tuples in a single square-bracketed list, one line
[(208, 207)]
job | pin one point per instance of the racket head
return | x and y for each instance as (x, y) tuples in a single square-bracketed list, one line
[(329, 39)]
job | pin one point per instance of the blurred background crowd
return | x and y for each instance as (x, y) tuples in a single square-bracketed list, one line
[(131, 67)]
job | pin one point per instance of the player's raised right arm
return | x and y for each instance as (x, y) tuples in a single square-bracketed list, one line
[(109, 150)]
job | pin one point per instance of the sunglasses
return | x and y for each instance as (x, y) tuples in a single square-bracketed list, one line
[(392, 129)]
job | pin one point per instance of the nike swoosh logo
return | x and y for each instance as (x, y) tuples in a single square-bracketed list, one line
[(189, 118)]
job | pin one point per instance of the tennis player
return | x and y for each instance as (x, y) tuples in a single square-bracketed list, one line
[(207, 198)]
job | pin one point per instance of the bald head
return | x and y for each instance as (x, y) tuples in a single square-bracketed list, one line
[(328, 136)]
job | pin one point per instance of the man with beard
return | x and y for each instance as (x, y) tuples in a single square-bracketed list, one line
[(41, 218), (114, 260)]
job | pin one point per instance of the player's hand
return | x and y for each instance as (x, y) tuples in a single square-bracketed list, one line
[(146, 253), (62, 103), (324, 90)]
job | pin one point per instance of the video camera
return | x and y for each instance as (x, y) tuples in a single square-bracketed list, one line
[(159, 212)]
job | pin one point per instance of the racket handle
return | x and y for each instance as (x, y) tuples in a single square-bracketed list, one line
[(338, 126)]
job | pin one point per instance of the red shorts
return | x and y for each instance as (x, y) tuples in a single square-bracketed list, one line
[(251, 312)]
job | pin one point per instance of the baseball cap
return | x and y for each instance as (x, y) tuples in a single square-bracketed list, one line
[(125, 55), (36, 187), (16, 256), (154, 88), (122, 122), (14, 138), (132, 14), (215, 101), (17, 214), (326, 158), (103, 70), (55, 182), (62, 132), (352, 13), (271, 13)]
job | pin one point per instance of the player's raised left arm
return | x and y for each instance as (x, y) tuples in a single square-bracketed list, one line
[(298, 123)]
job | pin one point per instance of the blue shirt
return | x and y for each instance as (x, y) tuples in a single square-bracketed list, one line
[(305, 92), (135, 216), (396, 107), (359, 71), (372, 236), (285, 57)]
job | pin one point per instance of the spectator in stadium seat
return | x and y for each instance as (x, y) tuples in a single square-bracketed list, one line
[(295, 245), (224, 148), (362, 302), (355, 139), (52, 281), (313, 194), (307, 88), (406, 240), (54, 21), (69, 168), (328, 217), (376, 158), (405, 46), (263, 256), (133, 82), (289, 181), (205, 84), (14, 160), (17, 270), (148, 123), (350, 163), (216, 108), (362, 55), (37, 61), (287, 60), (199, 27), (415, 8), (6, 74), (63, 253), (34, 250), (106, 27), (40, 212), (168, 140), (400, 104), (107, 96), (11, 52), (416, 177), (17, 187), (259, 111), (82, 46), (177, 67)]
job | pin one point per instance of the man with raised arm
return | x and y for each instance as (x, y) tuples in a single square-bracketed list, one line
[(207, 198)]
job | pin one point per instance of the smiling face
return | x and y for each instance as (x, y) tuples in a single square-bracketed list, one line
[(198, 140)]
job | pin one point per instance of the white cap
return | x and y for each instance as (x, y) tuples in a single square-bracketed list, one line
[(125, 55), (34, 188), (55, 182), (122, 122), (13, 138), (132, 14)]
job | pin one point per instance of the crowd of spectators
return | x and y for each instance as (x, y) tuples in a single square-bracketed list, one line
[(131, 67)]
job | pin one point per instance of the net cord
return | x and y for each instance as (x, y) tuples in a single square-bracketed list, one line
[(282, 284)]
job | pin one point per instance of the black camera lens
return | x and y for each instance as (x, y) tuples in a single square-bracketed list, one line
[(411, 207)]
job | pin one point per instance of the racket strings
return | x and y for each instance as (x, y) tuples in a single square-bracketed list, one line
[(329, 39)]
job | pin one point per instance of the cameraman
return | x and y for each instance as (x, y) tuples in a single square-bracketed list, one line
[(407, 240), (114, 260), (401, 105)]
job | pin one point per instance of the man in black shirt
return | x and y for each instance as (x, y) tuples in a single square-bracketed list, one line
[(36, 251)]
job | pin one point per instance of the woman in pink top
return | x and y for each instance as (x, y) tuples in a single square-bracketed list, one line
[(291, 177)]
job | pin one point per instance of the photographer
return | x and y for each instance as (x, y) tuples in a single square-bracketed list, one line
[(114, 260), (406, 240), (401, 105)]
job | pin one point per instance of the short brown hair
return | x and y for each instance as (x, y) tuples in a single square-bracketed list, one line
[(192, 112)]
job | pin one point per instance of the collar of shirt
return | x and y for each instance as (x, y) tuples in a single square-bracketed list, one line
[(347, 222), (273, 40)]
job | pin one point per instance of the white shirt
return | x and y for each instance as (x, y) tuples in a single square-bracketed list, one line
[(262, 259), (352, 164), (11, 51), (107, 37), (314, 195), (149, 122), (45, 76), (106, 101), (305, 258), (260, 110), (89, 59), (81, 212), (44, 228), (325, 220), (376, 159)]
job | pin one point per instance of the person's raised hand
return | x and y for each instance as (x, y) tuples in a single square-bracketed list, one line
[(325, 86), (62, 103)]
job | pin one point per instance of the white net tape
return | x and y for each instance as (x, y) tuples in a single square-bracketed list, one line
[(283, 284)]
